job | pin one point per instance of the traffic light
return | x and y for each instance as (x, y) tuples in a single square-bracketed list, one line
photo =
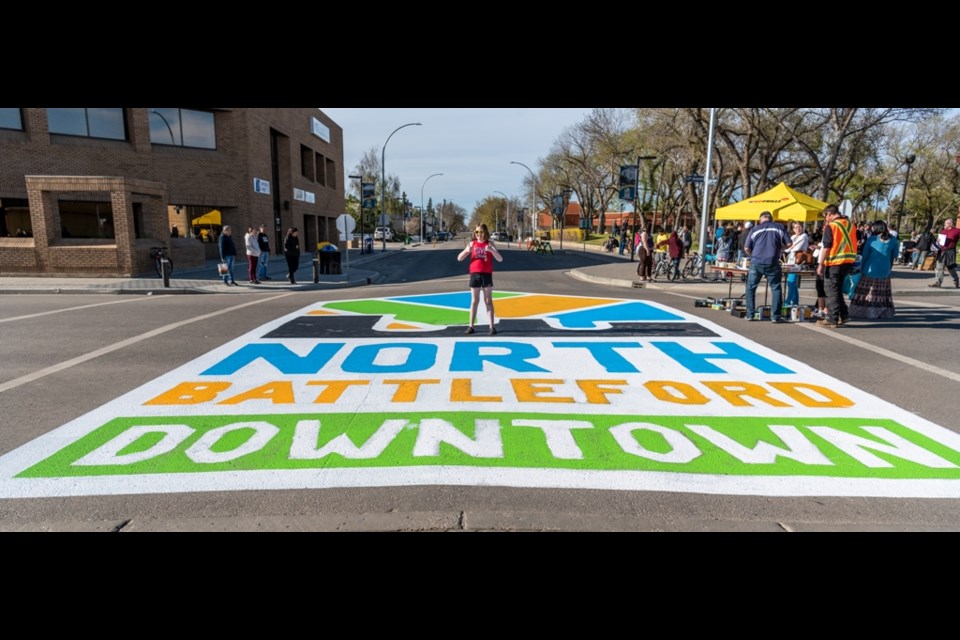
[(368, 195)]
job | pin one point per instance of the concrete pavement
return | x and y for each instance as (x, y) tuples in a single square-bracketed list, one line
[(360, 271), (615, 270)]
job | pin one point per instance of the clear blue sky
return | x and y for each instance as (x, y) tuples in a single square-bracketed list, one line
[(472, 148)]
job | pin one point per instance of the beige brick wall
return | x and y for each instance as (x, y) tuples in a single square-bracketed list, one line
[(221, 178)]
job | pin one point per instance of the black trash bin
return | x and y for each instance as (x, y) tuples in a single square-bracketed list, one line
[(329, 260)]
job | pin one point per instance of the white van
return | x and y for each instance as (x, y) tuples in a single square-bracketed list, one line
[(383, 233)]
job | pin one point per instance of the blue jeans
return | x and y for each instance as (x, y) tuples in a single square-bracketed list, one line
[(793, 290), (772, 273), (262, 267), (228, 276)]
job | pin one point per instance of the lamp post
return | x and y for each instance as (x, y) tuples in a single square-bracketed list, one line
[(360, 191), (706, 192), (173, 139), (533, 196), (636, 200), (507, 215), (909, 160), (383, 169), (422, 210)]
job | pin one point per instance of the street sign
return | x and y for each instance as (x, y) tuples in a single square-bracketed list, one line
[(694, 178), (345, 225), (383, 220)]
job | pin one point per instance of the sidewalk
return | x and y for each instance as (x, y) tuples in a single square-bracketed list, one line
[(622, 273), (359, 271)]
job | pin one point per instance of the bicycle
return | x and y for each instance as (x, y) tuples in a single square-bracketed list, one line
[(663, 267), (692, 266), (162, 263)]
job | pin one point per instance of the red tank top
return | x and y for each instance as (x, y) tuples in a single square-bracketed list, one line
[(481, 260)]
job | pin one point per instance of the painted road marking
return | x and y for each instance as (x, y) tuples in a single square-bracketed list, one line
[(66, 364), (578, 402), (85, 306)]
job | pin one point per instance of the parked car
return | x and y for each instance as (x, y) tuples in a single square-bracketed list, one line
[(500, 236), (383, 233)]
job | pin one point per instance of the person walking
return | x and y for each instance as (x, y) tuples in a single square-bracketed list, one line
[(764, 245), (481, 251), (623, 238), (921, 249), (676, 252), (228, 253), (264, 241), (836, 262), (947, 255), (253, 254), (873, 297), (291, 251)]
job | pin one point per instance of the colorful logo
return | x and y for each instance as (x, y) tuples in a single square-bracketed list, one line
[(573, 392)]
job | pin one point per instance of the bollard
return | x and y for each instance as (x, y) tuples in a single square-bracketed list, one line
[(316, 271), (165, 271)]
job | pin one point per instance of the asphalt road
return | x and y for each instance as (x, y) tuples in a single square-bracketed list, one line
[(67, 355)]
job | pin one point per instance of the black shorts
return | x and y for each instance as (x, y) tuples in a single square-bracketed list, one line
[(481, 280)]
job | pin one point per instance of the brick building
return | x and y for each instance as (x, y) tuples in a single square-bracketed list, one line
[(88, 192)]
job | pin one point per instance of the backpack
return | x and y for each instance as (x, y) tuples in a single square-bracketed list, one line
[(686, 239)]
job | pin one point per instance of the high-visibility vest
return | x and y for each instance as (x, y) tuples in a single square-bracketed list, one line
[(844, 247)]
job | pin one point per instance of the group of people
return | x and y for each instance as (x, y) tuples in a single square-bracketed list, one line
[(834, 251), (672, 245), (257, 248)]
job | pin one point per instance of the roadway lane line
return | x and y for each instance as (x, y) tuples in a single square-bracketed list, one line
[(833, 333), (36, 375), (85, 306), (920, 364)]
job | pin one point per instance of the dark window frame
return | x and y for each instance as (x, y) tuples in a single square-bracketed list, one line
[(19, 115), (161, 141), (307, 158), (86, 122)]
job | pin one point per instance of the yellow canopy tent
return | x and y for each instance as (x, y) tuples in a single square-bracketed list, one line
[(783, 202), (210, 217)]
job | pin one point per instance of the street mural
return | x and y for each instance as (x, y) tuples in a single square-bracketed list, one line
[(573, 392)]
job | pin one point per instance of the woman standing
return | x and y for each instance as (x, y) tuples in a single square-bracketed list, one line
[(645, 255), (291, 251), (873, 297), (228, 253), (482, 252), (801, 242), (253, 253)]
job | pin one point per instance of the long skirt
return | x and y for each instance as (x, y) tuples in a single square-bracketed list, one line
[(872, 299)]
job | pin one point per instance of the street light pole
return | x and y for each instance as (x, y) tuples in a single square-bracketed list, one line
[(507, 218), (422, 209), (909, 160), (533, 197), (706, 192), (173, 139), (383, 169), (360, 191)]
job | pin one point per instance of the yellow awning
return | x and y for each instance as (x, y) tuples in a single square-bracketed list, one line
[(784, 203), (210, 217)]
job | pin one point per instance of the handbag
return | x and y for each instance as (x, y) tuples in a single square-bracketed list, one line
[(222, 268)]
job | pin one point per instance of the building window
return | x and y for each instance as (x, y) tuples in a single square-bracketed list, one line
[(91, 123), (83, 219), (306, 162), (10, 118), (183, 128), (321, 170), (331, 174)]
